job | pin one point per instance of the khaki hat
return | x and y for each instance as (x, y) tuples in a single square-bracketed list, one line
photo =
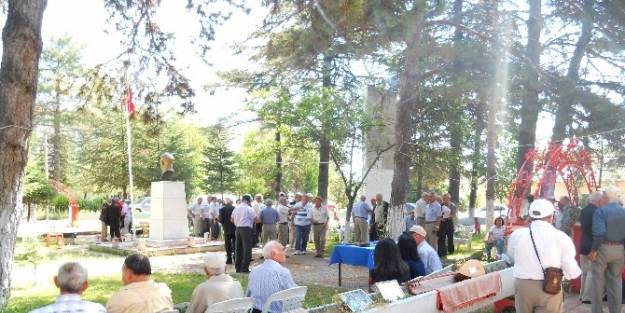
[(418, 230), (470, 269)]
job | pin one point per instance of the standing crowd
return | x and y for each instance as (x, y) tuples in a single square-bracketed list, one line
[(116, 219), (254, 222)]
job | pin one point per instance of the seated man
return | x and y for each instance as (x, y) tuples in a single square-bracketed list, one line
[(72, 281), (140, 293), (218, 287), (269, 277), (427, 254)]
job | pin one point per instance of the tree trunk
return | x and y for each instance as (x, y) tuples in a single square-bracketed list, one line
[(324, 142), (475, 159), (497, 95), (530, 106), (56, 139), (21, 39), (350, 205), (455, 141), (564, 114), (404, 128), (278, 183), (419, 180)]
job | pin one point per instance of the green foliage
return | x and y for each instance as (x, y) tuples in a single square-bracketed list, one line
[(36, 188), (219, 163), (60, 203), (91, 205)]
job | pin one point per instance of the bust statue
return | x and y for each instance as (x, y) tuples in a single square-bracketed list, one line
[(167, 166)]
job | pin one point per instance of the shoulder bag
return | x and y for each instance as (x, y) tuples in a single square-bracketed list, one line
[(552, 284)]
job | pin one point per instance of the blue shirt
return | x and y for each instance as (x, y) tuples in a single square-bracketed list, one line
[(608, 225), (433, 212), (267, 279), (361, 209), (410, 221), (269, 215), (429, 257), (416, 268)]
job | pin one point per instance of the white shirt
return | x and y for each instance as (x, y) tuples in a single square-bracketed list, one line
[(71, 303), (214, 209), (197, 209), (446, 211), (319, 215), (554, 247), (420, 208), (283, 213), (257, 206), (206, 211)]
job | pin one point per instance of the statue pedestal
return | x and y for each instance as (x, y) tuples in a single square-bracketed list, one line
[(168, 217)]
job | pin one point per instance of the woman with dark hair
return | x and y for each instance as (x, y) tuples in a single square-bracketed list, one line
[(388, 263), (408, 250), (495, 238)]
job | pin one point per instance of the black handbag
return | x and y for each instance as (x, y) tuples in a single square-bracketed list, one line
[(552, 283)]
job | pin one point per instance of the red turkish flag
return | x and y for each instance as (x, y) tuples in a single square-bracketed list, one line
[(130, 104)]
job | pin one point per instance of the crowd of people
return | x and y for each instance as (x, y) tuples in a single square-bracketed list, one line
[(140, 293), (116, 218)]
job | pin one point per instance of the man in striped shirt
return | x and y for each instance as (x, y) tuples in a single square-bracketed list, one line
[(302, 224), (269, 277)]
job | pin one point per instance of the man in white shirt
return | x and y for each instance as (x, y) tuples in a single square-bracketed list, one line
[(283, 221), (554, 249), (420, 208), (319, 219), (218, 286), (301, 219), (196, 212), (428, 256), (72, 281), (258, 206)]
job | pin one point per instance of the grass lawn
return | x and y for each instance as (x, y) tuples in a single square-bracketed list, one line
[(101, 288)]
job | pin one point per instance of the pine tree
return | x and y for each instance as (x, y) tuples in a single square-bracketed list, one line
[(219, 164)]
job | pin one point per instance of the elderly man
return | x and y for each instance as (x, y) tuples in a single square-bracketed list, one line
[(196, 213), (214, 208), (206, 216), (448, 224), (258, 206), (139, 293), (432, 220), (244, 219), (283, 221), (319, 218), (381, 213), (225, 215), (427, 254), (269, 277), (360, 214), (564, 219), (585, 219), (72, 281), (296, 201), (218, 287), (538, 246), (607, 254), (269, 218), (421, 207), (303, 211)]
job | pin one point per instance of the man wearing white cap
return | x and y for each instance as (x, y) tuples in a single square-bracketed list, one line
[(427, 254), (537, 247), (218, 287)]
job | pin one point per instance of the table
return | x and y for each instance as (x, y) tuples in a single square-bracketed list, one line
[(353, 255)]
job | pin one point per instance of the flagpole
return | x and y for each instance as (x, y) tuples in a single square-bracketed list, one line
[(128, 133)]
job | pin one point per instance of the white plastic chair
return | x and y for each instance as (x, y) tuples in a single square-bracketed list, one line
[(291, 299), (171, 311), (236, 305)]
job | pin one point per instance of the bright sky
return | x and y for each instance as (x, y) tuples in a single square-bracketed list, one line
[(85, 22)]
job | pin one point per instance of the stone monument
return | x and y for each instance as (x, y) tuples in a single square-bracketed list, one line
[(168, 217)]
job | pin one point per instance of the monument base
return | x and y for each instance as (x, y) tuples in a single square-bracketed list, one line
[(168, 216)]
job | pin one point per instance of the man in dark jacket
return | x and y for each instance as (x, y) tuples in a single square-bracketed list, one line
[(113, 214), (585, 219), (229, 229), (103, 219)]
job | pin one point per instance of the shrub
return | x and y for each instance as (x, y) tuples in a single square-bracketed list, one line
[(60, 203), (91, 205)]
